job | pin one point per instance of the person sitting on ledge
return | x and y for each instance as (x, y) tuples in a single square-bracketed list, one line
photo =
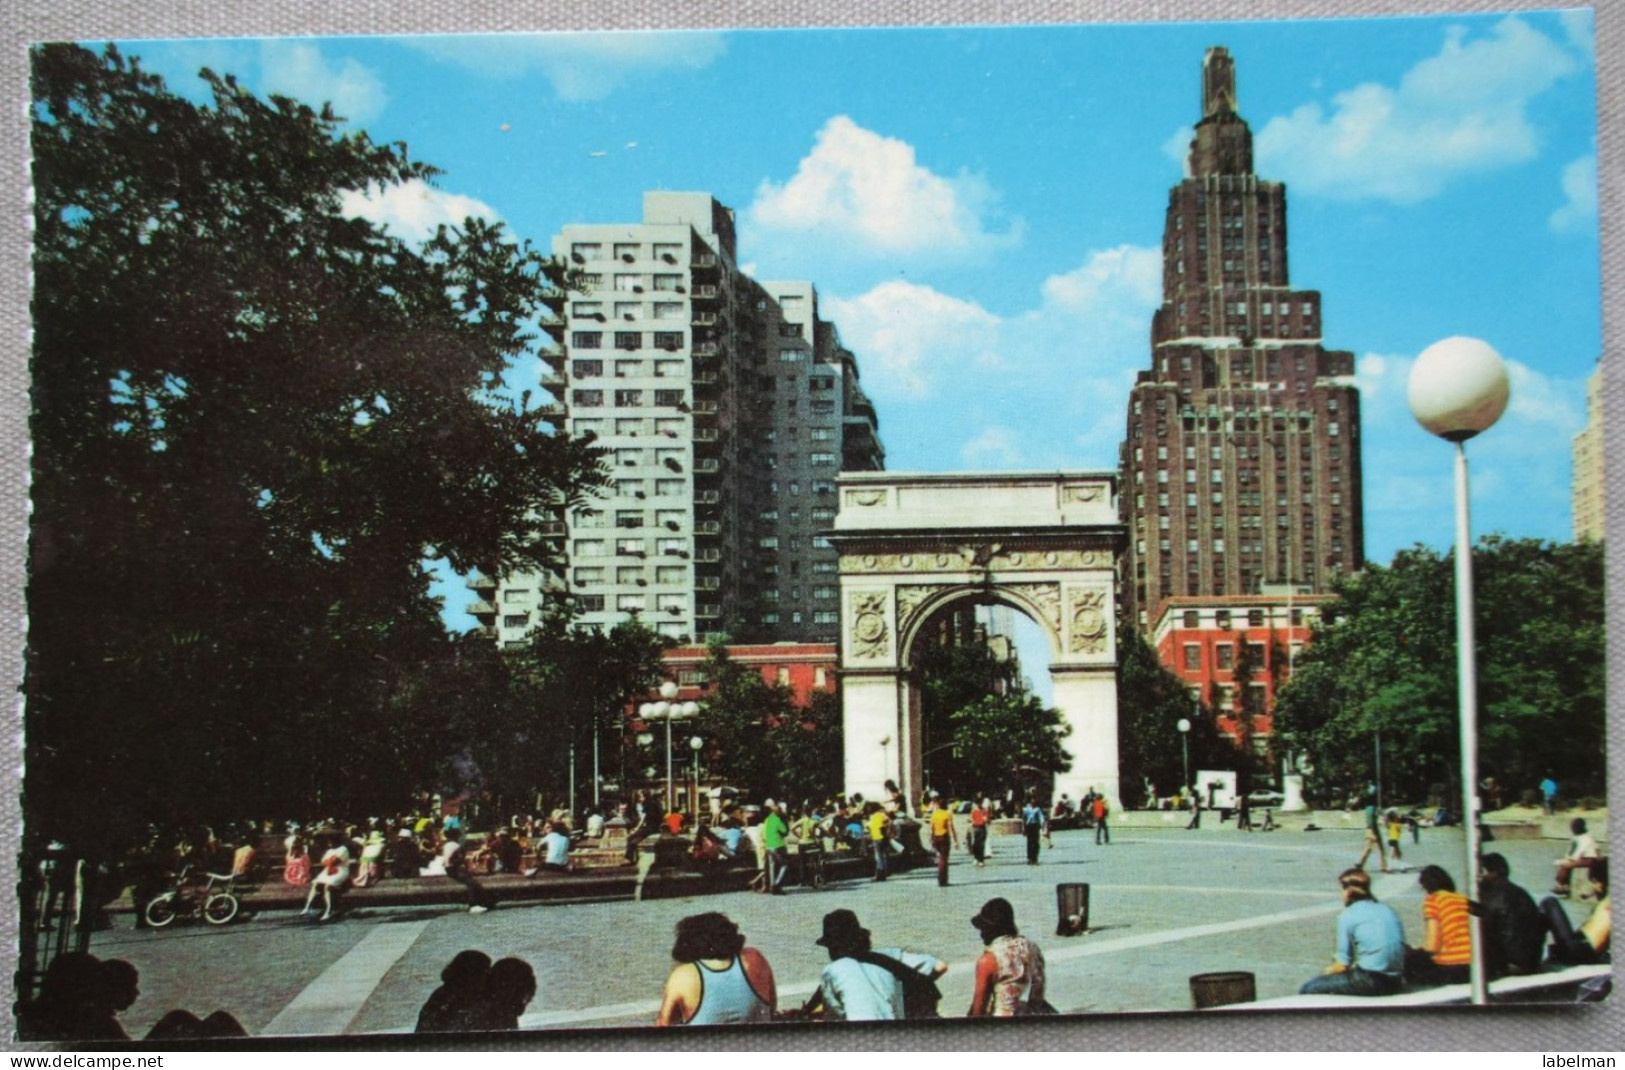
[(1446, 954), (1588, 945), (1581, 854), (1370, 955)]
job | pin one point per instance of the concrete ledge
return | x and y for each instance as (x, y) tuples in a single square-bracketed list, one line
[(1529, 989)]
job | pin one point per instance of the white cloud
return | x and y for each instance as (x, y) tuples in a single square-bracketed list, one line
[(908, 337), (1579, 24), (297, 69), (959, 381), (994, 447), (1178, 147), (412, 210), (1462, 111), (1579, 208), (581, 66), (857, 187)]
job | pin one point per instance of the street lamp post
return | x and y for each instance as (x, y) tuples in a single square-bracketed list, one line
[(1184, 727), (696, 744), (1457, 389)]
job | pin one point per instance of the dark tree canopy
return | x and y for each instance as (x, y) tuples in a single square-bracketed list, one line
[(1384, 659), (254, 419), (1151, 701)]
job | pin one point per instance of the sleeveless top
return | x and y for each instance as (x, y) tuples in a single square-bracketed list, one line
[(1020, 974), (726, 997)]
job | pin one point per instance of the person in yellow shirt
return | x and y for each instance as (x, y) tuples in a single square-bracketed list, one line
[(944, 835), (879, 823)]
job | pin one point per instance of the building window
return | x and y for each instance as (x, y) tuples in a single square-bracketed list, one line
[(628, 339), (1255, 618), (586, 250), (1222, 619), (587, 369), (585, 577), (668, 339), (1224, 656), (1192, 618), (1193, 657), (590, 603), (627, 250), (667, 251), (629, 283), (668, 397), (630, 603), (668, 310), (629, 547), (516, 594), (628, 398), (587, 340), (589, 548), (587, 399), (821, 458)]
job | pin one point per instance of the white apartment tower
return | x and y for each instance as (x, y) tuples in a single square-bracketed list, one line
[(726, 409)]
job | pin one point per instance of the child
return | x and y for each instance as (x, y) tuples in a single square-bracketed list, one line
[(1396, 828)]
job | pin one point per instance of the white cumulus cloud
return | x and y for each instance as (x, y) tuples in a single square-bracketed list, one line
[(412, 210), (1462, 111), (581, 66), (1579, 208), (860, 187), (298, 69), (993, 447), (910, 337)]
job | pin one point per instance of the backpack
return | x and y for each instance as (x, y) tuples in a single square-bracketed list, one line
[(920, 992)]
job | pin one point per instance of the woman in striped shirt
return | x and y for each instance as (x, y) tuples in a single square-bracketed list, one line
[(1446, 954)]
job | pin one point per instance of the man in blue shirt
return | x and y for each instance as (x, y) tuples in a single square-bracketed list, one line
[(1370, 945)]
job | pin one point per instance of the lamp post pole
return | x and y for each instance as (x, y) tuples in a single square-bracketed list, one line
[(1458, 388), (1184, 727)]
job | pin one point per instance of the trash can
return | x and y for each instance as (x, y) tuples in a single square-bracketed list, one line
[(1072, 901), (1223, 989)]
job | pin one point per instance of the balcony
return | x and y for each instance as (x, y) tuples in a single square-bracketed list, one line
[(553, 326), (708, 611), (705, 378), (705, 434), (481, 608), (704, 260), (553, 413), (481, 583), (708, 527), (553, 358), (707, 466), (705, 293), (704, 497), (705, 319), (708, 583), (554, 382), (705, 408), (708, 556), (554, 299)]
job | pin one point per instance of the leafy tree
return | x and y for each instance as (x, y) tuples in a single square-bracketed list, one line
[(951, 677), (1383, 660), (1151, 701), (254, 419), (810, 750), (582, 679), (736, 718), (1006, 740)]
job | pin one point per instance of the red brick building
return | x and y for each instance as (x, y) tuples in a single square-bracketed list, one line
[(803, 667), (1235, 653)]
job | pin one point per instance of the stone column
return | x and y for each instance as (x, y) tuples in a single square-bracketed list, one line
[(1088, 699), (869, 713)]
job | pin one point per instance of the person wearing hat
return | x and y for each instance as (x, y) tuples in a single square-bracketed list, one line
[(1010, 973), (867, 984), (1370, 954)]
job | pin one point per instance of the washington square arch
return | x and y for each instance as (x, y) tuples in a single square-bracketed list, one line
[(913, 546)]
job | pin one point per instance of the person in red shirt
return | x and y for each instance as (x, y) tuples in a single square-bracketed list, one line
[(978, 832), (1102, 833)]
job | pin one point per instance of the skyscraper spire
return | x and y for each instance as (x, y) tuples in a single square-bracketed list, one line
[(1223, 143)]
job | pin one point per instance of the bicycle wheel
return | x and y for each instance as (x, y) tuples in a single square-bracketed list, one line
[(220, 908), (161, 911)]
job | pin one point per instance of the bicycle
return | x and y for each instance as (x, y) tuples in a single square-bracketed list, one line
[(215, 901)]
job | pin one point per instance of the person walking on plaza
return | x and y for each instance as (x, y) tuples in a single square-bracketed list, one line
[(775, 844), (944, 836), (978, 831), (1100, 809), (1196, 811), (879, 824), (647, 812), (717, 980), (455, 861), (1446, 954), (1548, 795), (1370, 952), (1396, 830), (1244, 815), (1010, 973), (1373, 838), (867, 984), (1033, 825)]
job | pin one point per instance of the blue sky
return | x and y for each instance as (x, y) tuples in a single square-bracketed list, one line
[(981, 208)]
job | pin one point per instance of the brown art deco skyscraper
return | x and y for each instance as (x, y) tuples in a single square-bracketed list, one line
[(1241, 468)]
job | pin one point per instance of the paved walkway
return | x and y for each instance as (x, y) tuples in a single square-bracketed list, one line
[(1165, 904)]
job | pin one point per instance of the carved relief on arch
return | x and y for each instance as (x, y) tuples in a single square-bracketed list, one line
[(908, 603), (870, 635), (1044, 598)]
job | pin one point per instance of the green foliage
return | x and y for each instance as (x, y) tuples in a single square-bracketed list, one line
[(1150, 703), (1002, 740), (1384, 658), (253, 420), (951, 677), (759, 741)]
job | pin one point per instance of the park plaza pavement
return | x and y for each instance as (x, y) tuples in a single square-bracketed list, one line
[(1165, 904)]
